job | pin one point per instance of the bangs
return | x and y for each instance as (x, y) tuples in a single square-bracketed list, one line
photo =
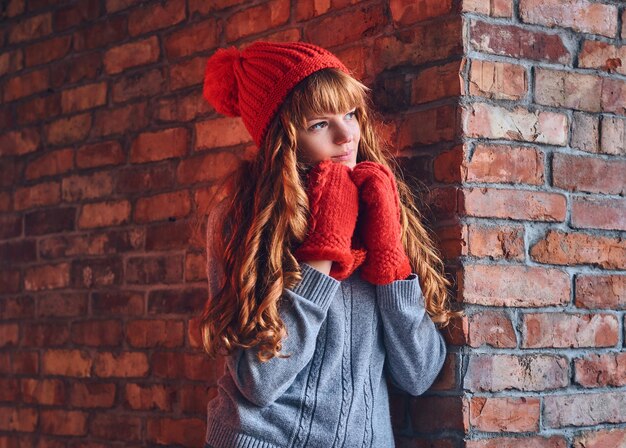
[(327, 91)]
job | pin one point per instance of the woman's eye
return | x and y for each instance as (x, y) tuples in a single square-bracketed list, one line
[(315, 126), (351, 114)]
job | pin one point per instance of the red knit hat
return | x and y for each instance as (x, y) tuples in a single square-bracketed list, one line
[(254, 82)]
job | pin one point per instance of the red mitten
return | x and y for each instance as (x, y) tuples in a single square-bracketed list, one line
[(333, 205), (381, 231)]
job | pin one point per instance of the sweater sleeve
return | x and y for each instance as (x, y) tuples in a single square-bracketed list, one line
[(415, 349), (303, 311)]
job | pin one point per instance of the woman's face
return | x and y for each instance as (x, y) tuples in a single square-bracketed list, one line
[(330, 136)]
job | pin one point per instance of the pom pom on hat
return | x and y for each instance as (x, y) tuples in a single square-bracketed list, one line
[(220, 85)]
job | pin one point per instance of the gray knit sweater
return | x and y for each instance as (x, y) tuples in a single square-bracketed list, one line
[(344, 337)]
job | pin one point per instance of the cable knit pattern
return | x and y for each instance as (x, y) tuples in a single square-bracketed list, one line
[(334, 206), (381, 230)]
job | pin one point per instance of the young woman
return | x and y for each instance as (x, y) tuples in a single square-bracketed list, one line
[(323, 282)]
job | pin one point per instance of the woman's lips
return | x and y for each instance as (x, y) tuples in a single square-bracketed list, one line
[(343, 157)]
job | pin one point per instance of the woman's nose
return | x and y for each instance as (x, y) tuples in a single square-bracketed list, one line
[(343, 134)]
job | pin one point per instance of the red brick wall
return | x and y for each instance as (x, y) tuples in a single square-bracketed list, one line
[(107, 151)]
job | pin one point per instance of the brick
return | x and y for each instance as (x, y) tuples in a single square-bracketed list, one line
[(187, 73), (444, 127), (42, 391), (192, 39), (19, 251), (486, 121), (348, 26), (406, 12), (50, 164), (435, 83), (497, 8), (100, 154), (18, 419), (506, 164), (444, 413), (168, 301), (163, 206), (155, 333), (104, 214), (193, 399), (116, 427), (497, 80), (62, 304), (118, 5), (97, 272), (202, 7), (517, 42), (182, 108), (592, 213), (105, 243), (601, 370), (39, 108), (125, 365), (207, 167), (91, 186), (613, 96), (493, 328), (19, 142), (10, 390), (63, 423), (101, 34), (581, 15), (24, 363), (613, 131), (36, 195), (505, 414), (10, 280), (446, 379), (79, 68), (27, 84), (121, 303), (420, 44), (160, 145), (53, 220), (31, 28), (156, 16), (588, 174), (143, 84), (119, 120), (48, 334), (578, 248), (73, 15), (143, 179), (519, 442), (84, 97), (257, 19), (183, 365), (53, 276), (562, 330), (47, 50), (9, 334), (570, 90), (598, 55), (585, 132), (187, 432), (584, 409), (147, 270), (601, 291), (11, 61), (150, 397), (600, 439), (500, 242), (221, 132), (68, 130), (524, 286), (488, 372), (17, 308), (514, 204), (97, 333), (132, 54), (74, 363), (92, 395)]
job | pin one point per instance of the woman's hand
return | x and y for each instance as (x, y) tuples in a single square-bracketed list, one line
[(333, 206), (380, 231)]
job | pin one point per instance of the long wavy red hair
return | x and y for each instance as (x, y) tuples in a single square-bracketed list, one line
[(265, 215)]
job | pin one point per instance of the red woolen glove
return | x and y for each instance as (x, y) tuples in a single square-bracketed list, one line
[(380, 231), (334, 206)]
